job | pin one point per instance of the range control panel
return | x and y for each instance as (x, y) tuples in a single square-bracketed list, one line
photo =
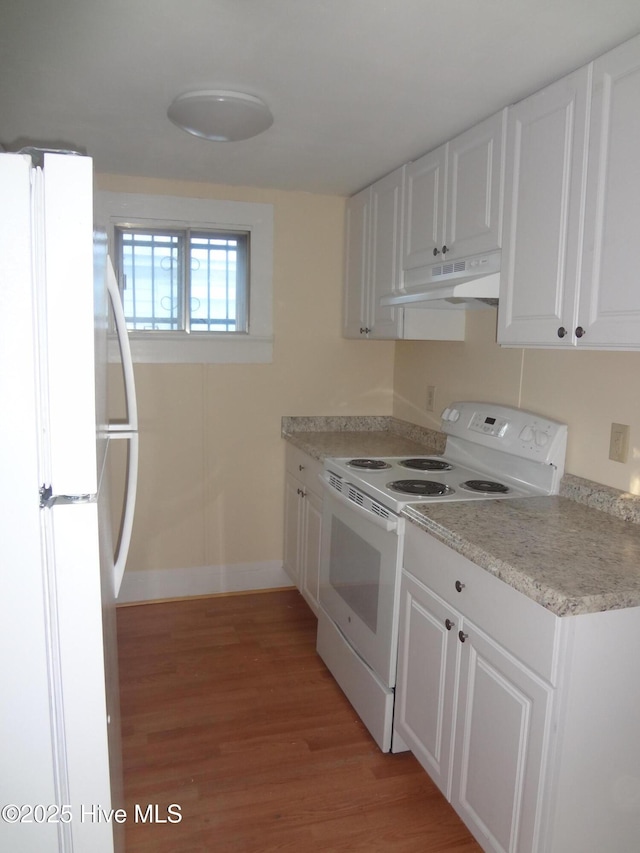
[(510, 430)]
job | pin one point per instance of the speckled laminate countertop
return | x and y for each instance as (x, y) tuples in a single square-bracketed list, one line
[(568, 557), (360, 436), (575, 553)]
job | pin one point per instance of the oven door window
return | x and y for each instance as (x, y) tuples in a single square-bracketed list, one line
[(354, 572), (359, 579)]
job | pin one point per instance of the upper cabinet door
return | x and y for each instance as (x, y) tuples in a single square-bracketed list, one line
[(546, 149), (453, 197), (609, 307), (386, 254), (425, 209), (475, 172), (356, 275)]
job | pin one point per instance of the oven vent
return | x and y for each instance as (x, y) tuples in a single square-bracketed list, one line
[(355, 496), (334, 481), (378, 509)]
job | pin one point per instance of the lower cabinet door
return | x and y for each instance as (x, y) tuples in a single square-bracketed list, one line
[(425, 684), (292, 527), (311, 548), (500, 743)]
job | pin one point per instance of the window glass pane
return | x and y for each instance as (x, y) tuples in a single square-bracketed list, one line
[(150, 263), (218, 282), (158, 283)]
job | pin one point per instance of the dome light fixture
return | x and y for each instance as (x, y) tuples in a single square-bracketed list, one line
[(220, 115)]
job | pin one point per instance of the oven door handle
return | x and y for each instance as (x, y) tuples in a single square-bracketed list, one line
[(392, 524)]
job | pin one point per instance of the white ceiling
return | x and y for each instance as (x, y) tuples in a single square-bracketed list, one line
[(356, 87)]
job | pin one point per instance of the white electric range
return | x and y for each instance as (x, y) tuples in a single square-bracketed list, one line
[(492, 452)]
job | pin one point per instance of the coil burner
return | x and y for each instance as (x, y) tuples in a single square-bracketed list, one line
[(421, 464), (369, 464), (419, 488), (486, 487)]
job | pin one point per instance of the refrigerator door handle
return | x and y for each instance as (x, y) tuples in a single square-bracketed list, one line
[(125, 350), (128, 430), (128, 510)]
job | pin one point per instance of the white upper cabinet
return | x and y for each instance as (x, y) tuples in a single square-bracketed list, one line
[(356, 277), (543, 196), (373, 235), (609, 305), (571, 251), (424, 234), (374, 229), (453, 198)]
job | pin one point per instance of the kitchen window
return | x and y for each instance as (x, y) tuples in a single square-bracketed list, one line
[(190, 281), (195, 276)]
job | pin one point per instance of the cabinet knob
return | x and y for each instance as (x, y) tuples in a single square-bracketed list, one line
[(562, 332), (436, 252), (448, 624), (579, 332), (302, 493), (445, 249), (459, 586), (364, 330), (300, 467), (462, 636)]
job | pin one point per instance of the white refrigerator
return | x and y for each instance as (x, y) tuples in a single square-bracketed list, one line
[(60, 759)]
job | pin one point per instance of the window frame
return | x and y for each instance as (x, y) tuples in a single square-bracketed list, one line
[(167, 212)]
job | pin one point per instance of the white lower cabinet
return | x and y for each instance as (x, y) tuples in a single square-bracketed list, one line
[(527, 722), (500, 740), (302, 523), (473, 714)]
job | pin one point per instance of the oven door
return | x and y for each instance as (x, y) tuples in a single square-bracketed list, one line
[(360, 564)]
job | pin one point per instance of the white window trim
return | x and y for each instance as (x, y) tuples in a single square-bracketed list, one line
[(158, 211)]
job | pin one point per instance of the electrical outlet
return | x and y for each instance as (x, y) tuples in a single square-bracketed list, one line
[(619, 442), (431, 398)]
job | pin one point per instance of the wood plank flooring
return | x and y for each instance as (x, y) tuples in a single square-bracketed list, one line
[(228, 712)]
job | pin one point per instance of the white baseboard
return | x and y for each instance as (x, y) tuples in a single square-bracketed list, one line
[(155, 584)]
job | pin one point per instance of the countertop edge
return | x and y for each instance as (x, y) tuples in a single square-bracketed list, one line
[(519, 580)]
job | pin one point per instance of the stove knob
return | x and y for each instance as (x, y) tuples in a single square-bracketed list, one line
[(454, 415), (445, 414), (541, 438), (526, 434)]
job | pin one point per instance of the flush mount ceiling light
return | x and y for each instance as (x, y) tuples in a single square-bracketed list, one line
[(220, 115)]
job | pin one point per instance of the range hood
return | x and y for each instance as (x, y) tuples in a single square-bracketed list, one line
[(467, 283)]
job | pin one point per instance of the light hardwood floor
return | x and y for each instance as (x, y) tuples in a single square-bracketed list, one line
[(228, 712)]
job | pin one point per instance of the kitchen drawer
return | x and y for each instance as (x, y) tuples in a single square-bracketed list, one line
[(303, 467), (524, 628)]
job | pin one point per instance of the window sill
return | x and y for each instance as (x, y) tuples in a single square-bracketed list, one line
[(180, 348)]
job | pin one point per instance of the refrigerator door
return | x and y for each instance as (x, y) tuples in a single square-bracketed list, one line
[(27, 733), (79, 540), (59, 713)]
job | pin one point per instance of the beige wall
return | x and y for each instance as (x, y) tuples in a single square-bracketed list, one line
[(588, 390), (212, 460)]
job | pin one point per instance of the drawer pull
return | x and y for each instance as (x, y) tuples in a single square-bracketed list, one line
[(459, 586), (448, 624), (462, 636)]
